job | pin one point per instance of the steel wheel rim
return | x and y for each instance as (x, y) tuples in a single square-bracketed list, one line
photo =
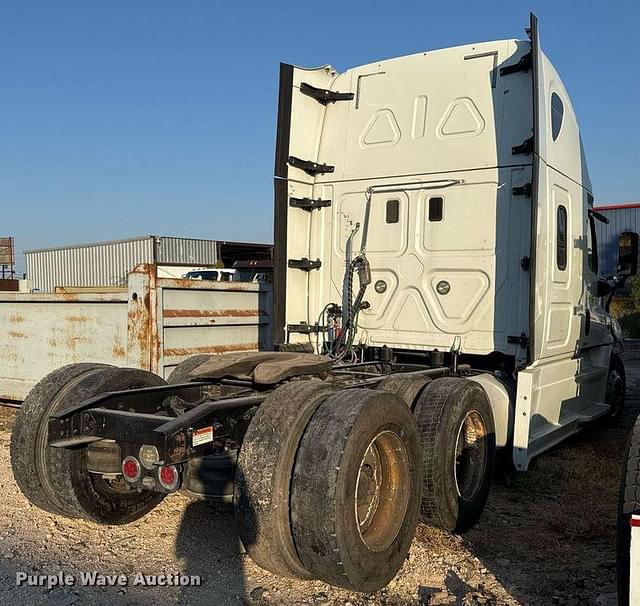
[(471, 454), (382, 490)]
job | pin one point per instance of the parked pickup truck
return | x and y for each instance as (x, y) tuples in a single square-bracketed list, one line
[(436, 298)]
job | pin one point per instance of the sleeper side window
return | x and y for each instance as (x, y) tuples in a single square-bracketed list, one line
[(561, 238)]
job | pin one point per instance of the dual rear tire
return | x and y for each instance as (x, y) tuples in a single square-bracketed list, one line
[(331, 483), (57, 480)]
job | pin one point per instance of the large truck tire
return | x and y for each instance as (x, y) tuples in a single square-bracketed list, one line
[(56, 479), (457, 435), (406, 386), (264, 470), (355, 492), (628, 504), (616, 387)]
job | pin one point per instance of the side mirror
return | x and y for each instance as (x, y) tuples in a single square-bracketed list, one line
[(628, 253)]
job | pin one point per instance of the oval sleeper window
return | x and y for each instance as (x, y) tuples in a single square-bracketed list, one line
[(557, 113)]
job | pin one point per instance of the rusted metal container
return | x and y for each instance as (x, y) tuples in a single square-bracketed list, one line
[(154, 324), (9, 285)]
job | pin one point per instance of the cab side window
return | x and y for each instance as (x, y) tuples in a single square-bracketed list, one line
[(557, 113)]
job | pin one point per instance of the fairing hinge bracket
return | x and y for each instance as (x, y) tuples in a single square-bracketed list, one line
[(304, 328), (524, 190), (311, 168), (526, 147), (524, 65), (522, 340), (304, 264), (309, 203), (324, 96)]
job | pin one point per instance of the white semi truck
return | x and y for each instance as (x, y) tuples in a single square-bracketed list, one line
[(436, 298)]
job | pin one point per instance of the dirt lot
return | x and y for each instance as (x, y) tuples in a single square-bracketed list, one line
[(546, 537)]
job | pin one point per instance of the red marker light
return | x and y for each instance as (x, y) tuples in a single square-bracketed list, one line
[(131, 469), (169, 477)]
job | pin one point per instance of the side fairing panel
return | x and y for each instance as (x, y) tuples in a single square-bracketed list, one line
[(564, 385), (300, 124)]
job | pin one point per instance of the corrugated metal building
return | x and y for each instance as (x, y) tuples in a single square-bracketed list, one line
[(108, 263), (622, 217)]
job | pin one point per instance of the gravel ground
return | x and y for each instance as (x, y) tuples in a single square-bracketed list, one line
[(546, 537)]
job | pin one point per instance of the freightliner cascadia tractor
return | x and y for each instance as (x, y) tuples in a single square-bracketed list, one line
[(436, 300)]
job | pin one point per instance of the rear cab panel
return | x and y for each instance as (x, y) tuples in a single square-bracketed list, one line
[(426, 144)]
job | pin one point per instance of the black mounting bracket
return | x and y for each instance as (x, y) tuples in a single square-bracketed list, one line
[(525, 263), (524, 65), (522, 340), (526, 147), (524, 190), (324, 96), (304, 328), (308, 203), (309, 167), (304, 264)]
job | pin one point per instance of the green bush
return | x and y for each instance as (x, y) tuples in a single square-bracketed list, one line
[(630, 324), (628, 313)]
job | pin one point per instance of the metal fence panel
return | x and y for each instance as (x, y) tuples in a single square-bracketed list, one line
[(108, 263), (187, 251), (99, 264)]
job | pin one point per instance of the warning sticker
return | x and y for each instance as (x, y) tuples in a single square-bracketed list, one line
[(202, 436)]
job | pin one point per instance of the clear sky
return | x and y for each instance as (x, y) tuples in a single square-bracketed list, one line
[(121, 118)]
